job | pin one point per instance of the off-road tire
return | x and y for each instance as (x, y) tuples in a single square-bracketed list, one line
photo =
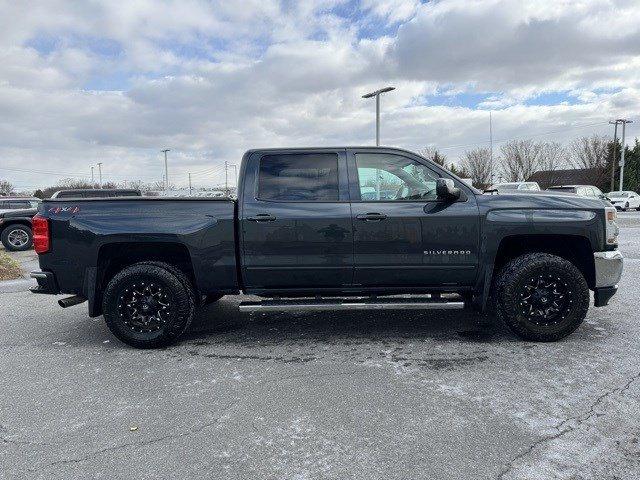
[(510, 288), (24, 230), (180, 300)]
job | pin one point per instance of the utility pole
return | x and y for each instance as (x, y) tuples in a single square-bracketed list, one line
[(377, 94), (166, 170), (189, 183), (100, 173), (624, 127), (92, 181), (615, 147)]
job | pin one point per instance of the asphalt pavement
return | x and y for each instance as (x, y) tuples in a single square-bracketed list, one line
[(375, 395)]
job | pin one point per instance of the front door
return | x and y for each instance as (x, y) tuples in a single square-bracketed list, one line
[(296, 223), (403, 234)]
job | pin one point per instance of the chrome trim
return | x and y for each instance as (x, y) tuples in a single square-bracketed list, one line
[(37, 274), (347, 305), (608, 267)]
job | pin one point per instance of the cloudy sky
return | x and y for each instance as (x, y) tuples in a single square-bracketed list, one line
[(114, 82)]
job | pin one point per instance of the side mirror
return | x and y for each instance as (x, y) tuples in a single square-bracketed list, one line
[(446, 189)]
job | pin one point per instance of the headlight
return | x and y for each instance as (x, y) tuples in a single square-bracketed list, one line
[(611, 229)]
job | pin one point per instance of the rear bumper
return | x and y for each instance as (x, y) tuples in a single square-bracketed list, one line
[(46, 283), (608, 266)]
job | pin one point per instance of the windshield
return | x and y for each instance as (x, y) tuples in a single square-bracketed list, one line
[(509, 186), (619, 194)]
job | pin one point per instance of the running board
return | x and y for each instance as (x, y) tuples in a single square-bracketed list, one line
[(351, 304)]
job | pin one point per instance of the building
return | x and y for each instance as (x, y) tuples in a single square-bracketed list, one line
[(598, 177)]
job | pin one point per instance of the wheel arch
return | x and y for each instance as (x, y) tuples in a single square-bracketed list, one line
[(575, 248), (114, 257)]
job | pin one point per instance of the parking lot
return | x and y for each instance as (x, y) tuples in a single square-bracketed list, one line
[(377, 395)]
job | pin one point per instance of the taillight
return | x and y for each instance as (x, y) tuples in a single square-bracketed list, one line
[(40, 234)]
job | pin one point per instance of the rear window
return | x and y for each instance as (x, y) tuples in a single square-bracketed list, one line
[(563, 189), (299, 177)]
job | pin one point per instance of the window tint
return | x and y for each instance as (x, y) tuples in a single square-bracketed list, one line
[(18, 204), (385, 176), (299, 177)]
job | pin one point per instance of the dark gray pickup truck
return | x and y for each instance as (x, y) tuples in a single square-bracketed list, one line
[(332, 228)]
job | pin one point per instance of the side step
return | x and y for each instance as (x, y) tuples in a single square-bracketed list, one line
[(422, 303)]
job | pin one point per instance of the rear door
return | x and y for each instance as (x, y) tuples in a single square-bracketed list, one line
[(296, 220), (403, 234)]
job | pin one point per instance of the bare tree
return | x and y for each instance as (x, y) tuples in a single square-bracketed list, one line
[(590, 152), (553, 157), (520, 159), (432, 153), (6, 188), (477, 164)]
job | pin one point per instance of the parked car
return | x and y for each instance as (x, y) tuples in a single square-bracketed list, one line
[(302, 237), (15, 221), (97, 193), (624, 200), (511, 187), (581, 190)]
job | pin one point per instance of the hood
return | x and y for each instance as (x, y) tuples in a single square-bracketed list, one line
[(542, 199)]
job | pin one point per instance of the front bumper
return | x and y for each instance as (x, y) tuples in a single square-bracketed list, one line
[(608, 266)]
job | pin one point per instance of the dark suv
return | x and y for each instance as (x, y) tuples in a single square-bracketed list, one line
[(15, 221)]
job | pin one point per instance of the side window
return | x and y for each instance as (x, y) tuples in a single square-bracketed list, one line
[(299, 177), (19, 204), (385, 177)]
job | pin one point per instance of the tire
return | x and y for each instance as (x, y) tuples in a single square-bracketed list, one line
[(163, 299), (626, 207), (17, 238), (555, 306)]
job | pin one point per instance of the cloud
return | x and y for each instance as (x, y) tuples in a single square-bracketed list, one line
[(88, 82)]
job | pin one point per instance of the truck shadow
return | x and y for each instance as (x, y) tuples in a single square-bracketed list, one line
[(223, 323)]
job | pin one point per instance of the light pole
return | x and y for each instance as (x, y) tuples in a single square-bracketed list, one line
[(377, 94), (166, 170), (93, 184), (100, 173)]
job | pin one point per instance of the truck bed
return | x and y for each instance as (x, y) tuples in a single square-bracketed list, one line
[(89, 236)]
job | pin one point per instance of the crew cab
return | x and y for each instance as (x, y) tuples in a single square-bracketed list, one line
[(332, 228)]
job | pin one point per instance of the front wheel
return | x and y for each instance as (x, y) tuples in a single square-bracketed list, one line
[(17, 238), (148, 305), (626, 207), (541, 297)]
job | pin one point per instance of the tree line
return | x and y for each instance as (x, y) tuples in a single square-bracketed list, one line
[(518, 160), (514, 161)]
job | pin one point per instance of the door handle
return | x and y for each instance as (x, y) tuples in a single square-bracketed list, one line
[(262, 217), (371, 216)]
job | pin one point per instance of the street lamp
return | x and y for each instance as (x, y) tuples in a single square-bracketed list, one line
[(166, 170), (377, 94)]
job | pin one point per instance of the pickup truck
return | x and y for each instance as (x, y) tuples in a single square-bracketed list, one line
[(332, 228)]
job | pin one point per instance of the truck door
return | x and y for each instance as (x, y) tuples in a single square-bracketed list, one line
[(403, 234), (296, 221)]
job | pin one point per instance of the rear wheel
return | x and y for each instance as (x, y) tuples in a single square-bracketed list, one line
[(17, 238), (541, 297), (149, 305)]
